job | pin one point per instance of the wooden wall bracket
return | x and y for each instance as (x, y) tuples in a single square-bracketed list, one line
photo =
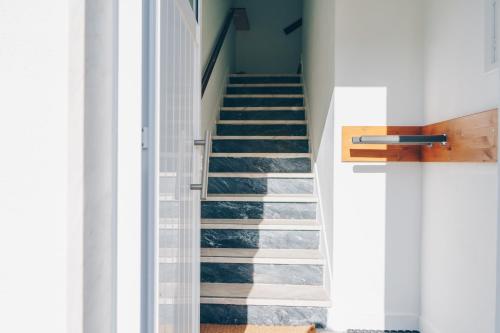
[(472, 138)]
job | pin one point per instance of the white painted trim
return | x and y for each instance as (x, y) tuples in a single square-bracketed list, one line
[(129, 182)]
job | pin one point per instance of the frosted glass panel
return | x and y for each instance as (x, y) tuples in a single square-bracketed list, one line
[(177, 222)]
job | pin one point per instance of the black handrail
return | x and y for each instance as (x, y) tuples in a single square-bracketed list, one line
[(292, 27), (215, 52)]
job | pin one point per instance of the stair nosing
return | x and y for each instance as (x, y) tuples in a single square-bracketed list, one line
[(264, 85), (262, 256), (257, 221), (262, 108), (259, 137), (260, 175), (264, 96), (264, 198), (290, 227), (263, 155), (211, 297), (262, 122), (266, 75), (261, 261)]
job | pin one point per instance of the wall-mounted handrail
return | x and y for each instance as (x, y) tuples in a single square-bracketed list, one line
[(400, 139), (216, 50), (203, 186), (292, 27)]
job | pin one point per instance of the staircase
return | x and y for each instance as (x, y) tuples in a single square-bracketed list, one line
[(260, 238)]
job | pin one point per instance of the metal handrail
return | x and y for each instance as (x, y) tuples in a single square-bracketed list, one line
[(216, 50), (203, 186), (400, 139)]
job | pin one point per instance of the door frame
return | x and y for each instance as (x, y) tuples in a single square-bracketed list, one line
[(149, 239)]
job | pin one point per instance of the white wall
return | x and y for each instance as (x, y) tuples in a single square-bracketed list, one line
[(213, 14), (34, 170), (377, 207), (265, 48), (318, 77), (460, 200)]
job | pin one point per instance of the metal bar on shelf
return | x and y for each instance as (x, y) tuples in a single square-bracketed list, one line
[(400, 139)]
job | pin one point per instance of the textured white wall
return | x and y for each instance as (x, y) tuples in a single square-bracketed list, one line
[(460, 200), (377, 207), (318, 77), (213, 14), (34, 170), (265, 48)]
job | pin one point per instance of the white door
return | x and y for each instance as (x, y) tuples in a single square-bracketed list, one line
[(177, 96)]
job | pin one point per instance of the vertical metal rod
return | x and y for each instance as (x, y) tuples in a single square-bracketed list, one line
[(203, 186)]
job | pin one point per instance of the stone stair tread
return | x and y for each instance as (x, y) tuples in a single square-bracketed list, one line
[(258, 137), (262, 122), (260, 175), (260, 221), (264, 95), (262, 108), (292, 198), (264, 75), (262, 254), (250, 85), (237, 226), (263, 294), (265, 155)]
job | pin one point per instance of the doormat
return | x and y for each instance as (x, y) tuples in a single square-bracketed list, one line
[(208, 328)]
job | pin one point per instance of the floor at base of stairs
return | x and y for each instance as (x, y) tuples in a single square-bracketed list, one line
[(255, 329), (380, 331)]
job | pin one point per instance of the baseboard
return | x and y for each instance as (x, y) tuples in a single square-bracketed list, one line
[(402, 321), (427, 327), (394, 321)]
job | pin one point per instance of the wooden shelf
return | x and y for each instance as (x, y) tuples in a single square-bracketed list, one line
[(471, 138)]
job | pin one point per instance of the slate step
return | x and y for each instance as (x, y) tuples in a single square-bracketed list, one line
[(263, 100), (292, 274), (263, 78), (228, 208), (224, 185), (259, 239), (227, 314), (264, 89), (281, 114), (256, 224), (260, 164), (287, 266), (242, 129), (260, 146)]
